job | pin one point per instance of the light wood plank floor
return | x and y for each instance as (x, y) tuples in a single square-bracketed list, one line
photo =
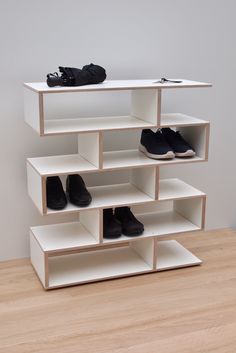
[(190, 310)]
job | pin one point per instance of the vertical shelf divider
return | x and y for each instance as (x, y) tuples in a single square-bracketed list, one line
[(145, 180), (89, 147), (91, 220), (144, 105)]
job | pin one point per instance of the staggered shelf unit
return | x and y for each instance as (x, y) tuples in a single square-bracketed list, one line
[(75, 252)]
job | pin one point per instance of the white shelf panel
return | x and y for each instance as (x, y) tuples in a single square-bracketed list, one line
[(170, 254), (65, 126), (110, 196), (42, 87), (64, 236), (177, 119), (95, 265), (135, 158), (59, 165), (171, 189), (165, 223), (159, 224)]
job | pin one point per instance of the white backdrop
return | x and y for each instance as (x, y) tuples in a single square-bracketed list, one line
[(131, 39)]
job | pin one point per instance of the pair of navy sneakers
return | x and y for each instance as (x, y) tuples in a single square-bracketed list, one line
[(164, 144)]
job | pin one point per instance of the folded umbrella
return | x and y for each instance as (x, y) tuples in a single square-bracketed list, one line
[(71, 76)]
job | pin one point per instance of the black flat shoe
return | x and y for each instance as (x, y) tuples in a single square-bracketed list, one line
[(130, 225), (56, 198), (111, 227), (76, 190)]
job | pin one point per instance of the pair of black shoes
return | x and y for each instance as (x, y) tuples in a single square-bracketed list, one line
[(122, 221), (76, 191), (164, 144)]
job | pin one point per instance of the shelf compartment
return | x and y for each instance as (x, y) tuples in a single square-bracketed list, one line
[(92, 264), (101, 264), (170, 189), (69, 236), (159, 224), (86, 160), (47, 115), (172, 255), (178, 119), (126, 153), (80, 125), (110, 196), (139, 187), (167, 218)]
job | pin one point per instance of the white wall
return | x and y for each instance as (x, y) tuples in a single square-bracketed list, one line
[(131, 39)]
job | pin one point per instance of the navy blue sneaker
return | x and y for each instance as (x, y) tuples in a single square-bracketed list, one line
[(154, 145), (180, 147)]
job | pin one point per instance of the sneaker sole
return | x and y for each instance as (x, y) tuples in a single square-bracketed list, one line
[(168, 155), (188, 153)]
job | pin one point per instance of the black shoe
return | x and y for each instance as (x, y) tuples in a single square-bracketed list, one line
[(180, 147), (56, 198), (130, 225), (76, 190), (111, 227), (153, 145)]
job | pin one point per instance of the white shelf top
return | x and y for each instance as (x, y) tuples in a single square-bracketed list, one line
[(65, 126), (59, 165), (64, 236), (171, 189), (178, 119), (109, 196), (159, 224), (92, 266), (42, 87), (171, 254), (135, 158)]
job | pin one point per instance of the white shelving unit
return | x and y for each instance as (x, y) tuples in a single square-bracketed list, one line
[(75, 252)]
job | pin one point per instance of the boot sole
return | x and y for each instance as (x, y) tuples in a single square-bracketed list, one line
[(113, 236), (81, 204), (168, 155), (133, 234)]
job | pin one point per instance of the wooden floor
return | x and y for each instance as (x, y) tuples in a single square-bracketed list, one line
[(190, 310)]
